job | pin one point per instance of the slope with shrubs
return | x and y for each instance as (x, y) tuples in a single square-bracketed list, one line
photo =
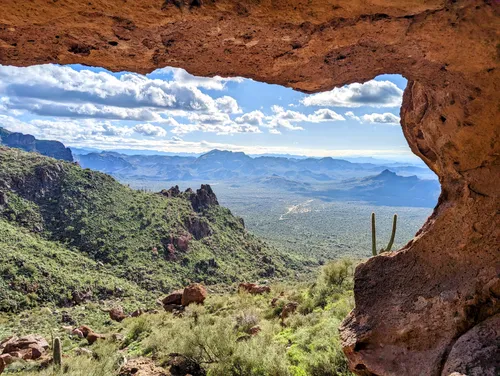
[(216, 336), (126, 230)]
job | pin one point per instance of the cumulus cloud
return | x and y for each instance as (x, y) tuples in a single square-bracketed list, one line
[(253, 118), (385, 118), (212, 83), (51, 90), (372, 93), (323, 115), (375, 118), (150, 130)]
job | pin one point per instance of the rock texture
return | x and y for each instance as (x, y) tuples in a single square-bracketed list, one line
[(412, 305)]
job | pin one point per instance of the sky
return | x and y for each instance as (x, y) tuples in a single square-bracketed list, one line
[(172, 111)]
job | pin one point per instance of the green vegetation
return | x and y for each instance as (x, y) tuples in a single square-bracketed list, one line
[(217, 336), (374, 236), (88, 232)]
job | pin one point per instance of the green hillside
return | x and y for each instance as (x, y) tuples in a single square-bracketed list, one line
[(64, 215)]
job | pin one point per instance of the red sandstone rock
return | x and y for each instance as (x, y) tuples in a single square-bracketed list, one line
[(173, 298), (411, 304), (93, 337), (85, 330), (253, 288), (194, 293), (116, 314)]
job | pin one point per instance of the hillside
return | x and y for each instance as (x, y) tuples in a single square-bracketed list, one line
[(54, 149), (152, 241)]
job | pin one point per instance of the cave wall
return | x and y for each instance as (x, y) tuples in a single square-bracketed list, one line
[(414, 307)]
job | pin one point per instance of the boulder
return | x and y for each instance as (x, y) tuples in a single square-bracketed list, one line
[(137, 313), (477, 352), (93, 337), (194, 293), (181, 365), (77, 332), (116, 314), (253, 288), (174, 298), (6, 359)]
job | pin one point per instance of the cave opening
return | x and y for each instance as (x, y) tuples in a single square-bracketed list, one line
[(304, 171)]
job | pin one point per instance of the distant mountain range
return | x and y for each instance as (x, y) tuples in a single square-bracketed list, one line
[(227, 165), (27, 142)]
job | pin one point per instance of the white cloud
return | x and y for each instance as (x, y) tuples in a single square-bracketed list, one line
[(52, 90), (150, 130), (385, 118), (212, 83), (372, 93), (350, 115), (274, 131), (323, 115), (227, 105), (375, 118), (253, 118)]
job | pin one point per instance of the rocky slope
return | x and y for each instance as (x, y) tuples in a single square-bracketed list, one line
[(27, 142), (153, 241)]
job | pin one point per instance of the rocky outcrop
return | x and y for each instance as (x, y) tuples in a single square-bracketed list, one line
[(253, 288), (194, 293), (477, 352), (203, 198), (414, 304), (27, 142), (30, 347), (177, 300)]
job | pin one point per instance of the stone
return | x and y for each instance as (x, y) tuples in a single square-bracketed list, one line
[(77, 332), (6, 359), (194, 293), (173, 298), (85, 330), (116, 314), (411, 304), (141, 366), (181, 365), (137, 313), (253, 288), (477, 352), (93, 337)]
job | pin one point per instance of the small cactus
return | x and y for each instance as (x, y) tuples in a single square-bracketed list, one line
[(374, 238), (57, 352)]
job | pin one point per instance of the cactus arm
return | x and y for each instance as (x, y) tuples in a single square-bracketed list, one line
[(374, 236), (393, 235), (57, 352)]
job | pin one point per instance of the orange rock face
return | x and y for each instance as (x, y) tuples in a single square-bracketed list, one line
[(411, 305), (194, 293)]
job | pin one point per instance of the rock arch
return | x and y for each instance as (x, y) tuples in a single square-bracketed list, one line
[(413, 305)]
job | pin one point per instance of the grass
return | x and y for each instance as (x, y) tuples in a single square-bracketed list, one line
[(215, 335)]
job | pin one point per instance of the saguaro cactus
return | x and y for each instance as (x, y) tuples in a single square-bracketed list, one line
[(374, 236), (57, 352)]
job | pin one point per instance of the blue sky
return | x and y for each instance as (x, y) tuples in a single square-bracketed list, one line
[(171, 110)]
